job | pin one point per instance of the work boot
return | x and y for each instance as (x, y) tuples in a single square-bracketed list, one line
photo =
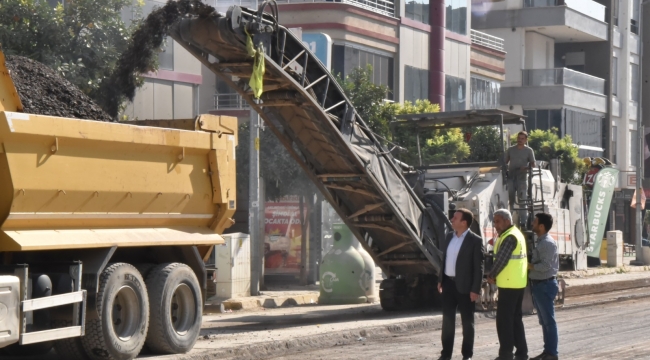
[(521, 357), (549, 357), (539, 357)]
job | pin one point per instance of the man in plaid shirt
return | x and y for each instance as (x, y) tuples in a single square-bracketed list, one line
[(509, 272)]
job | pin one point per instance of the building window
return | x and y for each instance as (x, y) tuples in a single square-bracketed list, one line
[(346, 58), (634, 22), (484, 94), (454, 93), (416, 84), (166, 56), (418, 10), (614, 136), (634, 149), (544, 120), (456, 20), (615, 76), (634, 82), (615, 5)]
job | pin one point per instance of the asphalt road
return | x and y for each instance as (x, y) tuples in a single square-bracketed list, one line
[(615, 331)]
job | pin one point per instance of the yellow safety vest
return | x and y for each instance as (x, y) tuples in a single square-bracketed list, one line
[(514, 275)]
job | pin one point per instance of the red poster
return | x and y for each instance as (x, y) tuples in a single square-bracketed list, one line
[(282, 236)]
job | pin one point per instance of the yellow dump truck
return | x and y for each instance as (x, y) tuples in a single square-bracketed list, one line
[(105, 228)]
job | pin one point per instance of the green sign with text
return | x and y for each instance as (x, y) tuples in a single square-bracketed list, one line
[(601, 198)]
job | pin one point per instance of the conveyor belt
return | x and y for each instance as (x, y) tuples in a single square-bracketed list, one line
[(306, 108)]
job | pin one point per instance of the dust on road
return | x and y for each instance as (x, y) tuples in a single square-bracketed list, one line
[(610, 331)]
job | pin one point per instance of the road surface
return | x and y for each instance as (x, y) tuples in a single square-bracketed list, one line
[(610, 331)]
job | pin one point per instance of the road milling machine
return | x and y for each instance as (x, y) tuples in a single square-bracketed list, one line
[(104, 229), (482, 188), (303, 105)]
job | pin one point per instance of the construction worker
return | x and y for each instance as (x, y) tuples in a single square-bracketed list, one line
[(509, 272), (520, 158)]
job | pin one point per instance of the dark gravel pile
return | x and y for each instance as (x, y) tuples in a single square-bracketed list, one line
[(43, 92), (139, 58)]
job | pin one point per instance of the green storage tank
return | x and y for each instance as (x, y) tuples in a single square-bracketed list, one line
[(346, 275)]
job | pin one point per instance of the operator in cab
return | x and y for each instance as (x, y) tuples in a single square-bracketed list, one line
[(520, 158)]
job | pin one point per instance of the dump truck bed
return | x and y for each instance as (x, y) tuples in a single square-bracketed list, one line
[(310, 114), (72, 184)]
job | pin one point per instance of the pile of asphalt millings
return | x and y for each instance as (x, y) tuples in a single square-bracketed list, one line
[(43, 92), (140, 57)]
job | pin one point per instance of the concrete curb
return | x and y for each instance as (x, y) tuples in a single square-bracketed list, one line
[(311, 298), (276, 348), (602, 271), (613, 286), (259, 302)]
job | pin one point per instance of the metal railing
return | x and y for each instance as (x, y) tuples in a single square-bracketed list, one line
[(562, 76), (587, 7), (384, 7), (229, 102), (487, 40)]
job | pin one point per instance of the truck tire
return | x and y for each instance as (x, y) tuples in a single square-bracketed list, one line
[(176, 309), (145, 269), (388, 297), (123, 307)]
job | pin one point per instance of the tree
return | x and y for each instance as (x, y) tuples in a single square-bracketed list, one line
[(81, 40), (485, 144), (548, 145), (368, 99), (437, 146)]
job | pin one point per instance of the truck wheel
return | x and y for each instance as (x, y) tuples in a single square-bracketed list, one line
[(176, 309), (123, 307), (388, 295)]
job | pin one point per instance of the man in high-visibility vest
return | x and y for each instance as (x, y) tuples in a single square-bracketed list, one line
[(509, 272)]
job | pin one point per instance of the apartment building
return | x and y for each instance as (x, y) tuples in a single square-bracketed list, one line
[(574, 65), (172, 92), (398, 40)]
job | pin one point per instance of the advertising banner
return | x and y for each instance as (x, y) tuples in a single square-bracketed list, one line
[(282, 237), (601, 198)]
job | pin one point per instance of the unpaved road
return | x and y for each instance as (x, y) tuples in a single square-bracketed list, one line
[(616, 330)]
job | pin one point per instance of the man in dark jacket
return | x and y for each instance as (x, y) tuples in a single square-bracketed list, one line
[(460, 282)]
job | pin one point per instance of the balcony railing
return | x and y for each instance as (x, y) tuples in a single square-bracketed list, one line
[(587, 7), (487, 40), (563, 76), (384, 7), (229, 102)]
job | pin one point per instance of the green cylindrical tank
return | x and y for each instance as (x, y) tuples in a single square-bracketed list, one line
[(344, 278), (367, 279)]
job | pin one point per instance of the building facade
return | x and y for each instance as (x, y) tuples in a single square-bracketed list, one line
[(574, 65), (396, 39)]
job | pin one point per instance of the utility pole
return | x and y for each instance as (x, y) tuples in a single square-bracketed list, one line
[(254, 202), (640, 136), (254, 199)]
